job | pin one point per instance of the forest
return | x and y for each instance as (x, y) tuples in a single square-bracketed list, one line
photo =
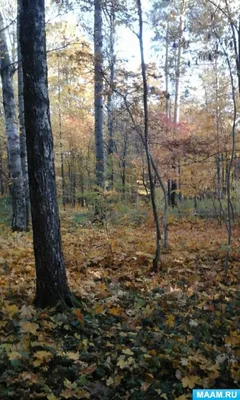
[(119, 199)]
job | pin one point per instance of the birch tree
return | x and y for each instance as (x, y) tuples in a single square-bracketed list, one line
[(13, 146), (22, 131)]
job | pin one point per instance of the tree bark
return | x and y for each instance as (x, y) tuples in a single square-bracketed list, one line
[(177, 90), (1, 170), (98, 94), (123, 169), (112, 60), (13, 146), (51, 285), (60, 138), (22, 131), (146, 139)]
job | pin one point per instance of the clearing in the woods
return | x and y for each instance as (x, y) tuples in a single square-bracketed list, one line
[(136, 335)]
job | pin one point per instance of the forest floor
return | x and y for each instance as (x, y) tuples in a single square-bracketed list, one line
[(136, 336)]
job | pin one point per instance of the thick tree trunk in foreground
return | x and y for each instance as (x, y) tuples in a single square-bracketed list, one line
[(13, 147), (52, 284), (98, 94)]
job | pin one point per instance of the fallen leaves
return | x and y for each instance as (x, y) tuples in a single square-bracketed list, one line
[(136, 336), (190, 381), (29, 327)]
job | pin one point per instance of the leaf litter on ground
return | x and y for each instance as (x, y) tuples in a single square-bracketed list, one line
[(136, 336)]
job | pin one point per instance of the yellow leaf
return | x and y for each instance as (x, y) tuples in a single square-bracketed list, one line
[(48, 325), (67, 393), (183, 397), (164, 396), (41, 357), (115, 311), (79, 315), (68, 384), (128, 352), (82, 394), (14, 355), (29, 327), (190, 381), (152, 352), (109, 344), (110, 381), (52, 397), (170, 321), (73, 356), (122, 362), (99, 309), (11, 309), (117, 380), (125, 363), (233, 339)]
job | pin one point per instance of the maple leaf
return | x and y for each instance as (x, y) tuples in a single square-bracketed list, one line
[(99, 309), (164, 396), (125, 363), (170, 320), (190, 381), (41, 357), (128, 352), (51, 397), (110, 381), (11, 309), (89, 370), (26, 312), (29, 327), (73, 356), (79, 315), (67, 393), (14, 355), (115, 311)]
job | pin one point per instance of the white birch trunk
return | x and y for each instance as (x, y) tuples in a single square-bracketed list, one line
[(13, 146)]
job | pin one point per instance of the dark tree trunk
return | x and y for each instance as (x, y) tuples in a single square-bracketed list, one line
[(1, 170), (173, 194), (223, 173), (112, 60), (124, 159), (52, 284), (60, 138), (146, 139), (124, 179), (73, 196), (13, 146)]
